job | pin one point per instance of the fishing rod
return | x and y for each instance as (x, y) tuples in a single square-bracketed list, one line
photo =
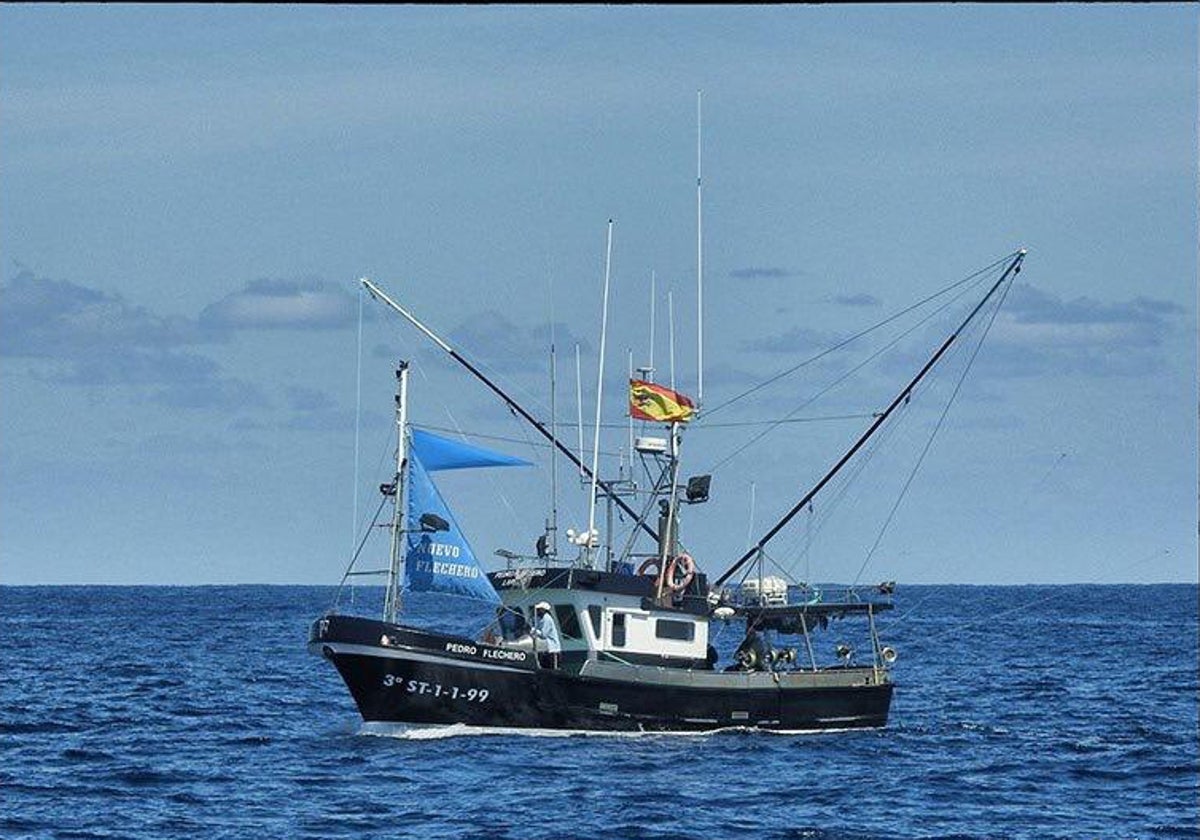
[(1012, 270), (382, 296)]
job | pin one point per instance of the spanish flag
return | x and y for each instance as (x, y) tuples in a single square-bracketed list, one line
[(648, 401)]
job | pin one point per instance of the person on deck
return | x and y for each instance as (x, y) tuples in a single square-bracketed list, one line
[(544, 628)]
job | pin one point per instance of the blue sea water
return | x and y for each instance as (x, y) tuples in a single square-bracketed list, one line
[(1020, 712)]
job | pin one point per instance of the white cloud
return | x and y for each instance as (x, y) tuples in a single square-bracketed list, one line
[(1039, 332), (282, 304)]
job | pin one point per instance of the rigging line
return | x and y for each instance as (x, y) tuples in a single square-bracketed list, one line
[(532, 443), (825, 418), (957, 628), (710, 412), (459, 431), (531, 397), (819, 518), (496, 487), (900, 619), (936, 428), (885, 348), (358, 551), (1057, 461), (789, 419), (499, 392), (790, 548), (905, 394), (383, 453), (480, 367), (791, 578), (841, 379)]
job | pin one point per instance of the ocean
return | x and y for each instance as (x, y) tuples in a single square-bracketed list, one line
[(1020, 712)]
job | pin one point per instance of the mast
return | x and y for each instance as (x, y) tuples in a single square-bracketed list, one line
[(667, 545), (380, 295), (1012, 270), (392, 600)]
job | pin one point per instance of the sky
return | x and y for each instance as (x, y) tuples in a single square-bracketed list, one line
[(193, 389)]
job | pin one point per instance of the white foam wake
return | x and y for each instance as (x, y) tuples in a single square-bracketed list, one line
[(436, 731)]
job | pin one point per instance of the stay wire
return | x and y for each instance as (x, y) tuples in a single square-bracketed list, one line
[(783, 570), (459, 430), (891, 625), (821, 515), (710, 412), (833, 502), (936, 429), (357, 552), (839, 380), (534, 444)]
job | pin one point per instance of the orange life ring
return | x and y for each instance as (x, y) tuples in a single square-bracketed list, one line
[(651, 562), (682, 563)]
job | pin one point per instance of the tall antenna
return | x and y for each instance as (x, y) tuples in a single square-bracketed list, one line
[(671, 331), (699, 264), (554, 441), (599, 398), (750, 532), (653, 285), (579, 406), (630, 417)]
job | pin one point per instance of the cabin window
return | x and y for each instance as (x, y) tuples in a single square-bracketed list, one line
[(618, 630), (683, 631), (594, 615), (568, 621)]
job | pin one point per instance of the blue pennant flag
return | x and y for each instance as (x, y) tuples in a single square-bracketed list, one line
[(439, 559), (439, 453)]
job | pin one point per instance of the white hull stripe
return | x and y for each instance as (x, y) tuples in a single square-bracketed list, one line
[(413, 655)]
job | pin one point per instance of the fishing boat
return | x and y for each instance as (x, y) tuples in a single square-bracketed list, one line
[(609, 637)]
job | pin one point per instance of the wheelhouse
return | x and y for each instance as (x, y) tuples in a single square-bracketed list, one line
[(613, 617)]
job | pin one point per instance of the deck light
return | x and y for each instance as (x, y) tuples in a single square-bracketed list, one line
[(697, 489)]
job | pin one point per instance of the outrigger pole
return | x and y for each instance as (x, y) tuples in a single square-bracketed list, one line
[(1012, 270), (380, 295)]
